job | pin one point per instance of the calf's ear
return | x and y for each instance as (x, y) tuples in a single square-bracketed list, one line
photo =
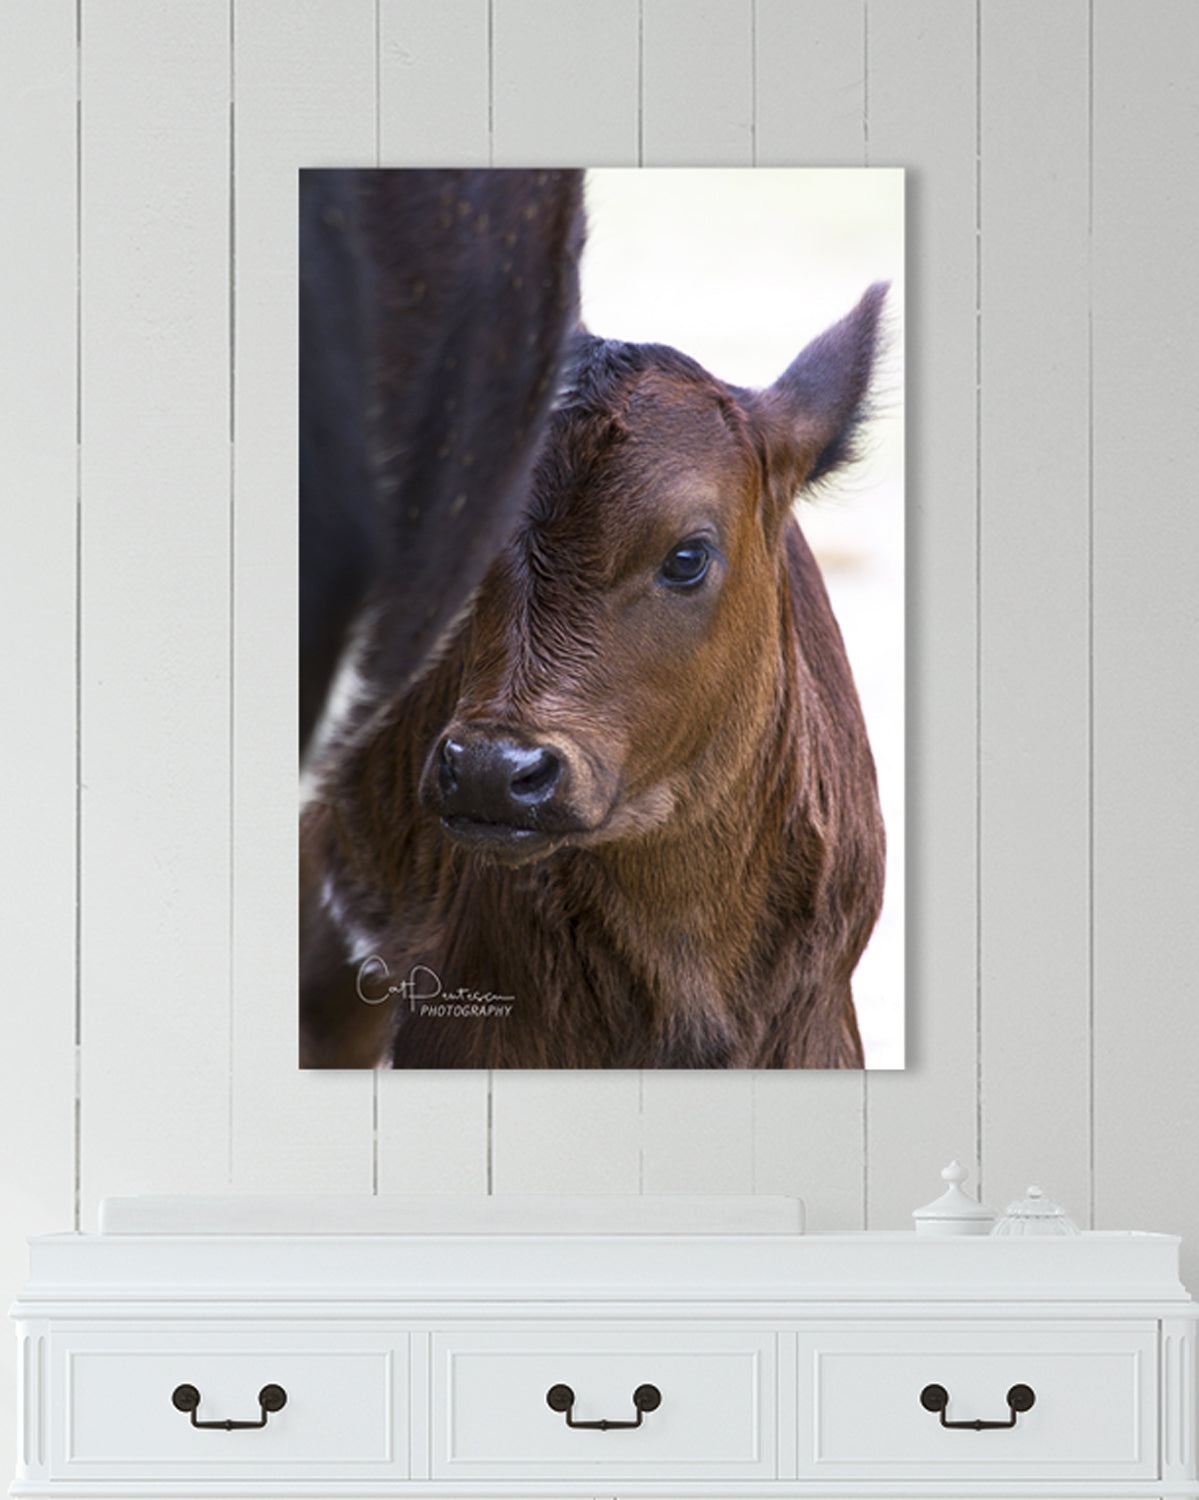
[(816, 406)]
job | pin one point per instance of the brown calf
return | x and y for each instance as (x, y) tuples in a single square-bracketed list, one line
[(629, 817)]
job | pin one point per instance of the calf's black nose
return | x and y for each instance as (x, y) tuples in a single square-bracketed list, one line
[(492, 777)]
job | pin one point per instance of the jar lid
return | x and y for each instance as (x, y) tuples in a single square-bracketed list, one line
[(1035, 1214)]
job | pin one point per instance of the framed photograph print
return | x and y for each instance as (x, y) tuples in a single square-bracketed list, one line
[(602, 619)]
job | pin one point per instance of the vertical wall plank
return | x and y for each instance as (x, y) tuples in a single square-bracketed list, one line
[(697, 83), (304, 97), (557, 1132), (434, 83), (807, 1142), (808, 1129), (433, 1132), (434, 110), (155, 623), (698, 1132), (810, 86), (922, 116), (38, 330), (696, 109), (38, 617), (565, 83), (1034, 545), (1146, 638), (565, 94)]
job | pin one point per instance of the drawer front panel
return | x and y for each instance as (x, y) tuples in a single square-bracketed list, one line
[(1094, 1415), (345, 1409), (491, 1419)]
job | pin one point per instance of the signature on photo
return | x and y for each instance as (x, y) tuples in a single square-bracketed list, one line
[(423, 992)]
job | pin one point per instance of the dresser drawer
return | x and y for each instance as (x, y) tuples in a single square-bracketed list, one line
[(1094, 1414), (492, 1419), (112, 1393)]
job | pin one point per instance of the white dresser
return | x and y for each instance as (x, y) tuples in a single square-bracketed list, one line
[(590, 1348)]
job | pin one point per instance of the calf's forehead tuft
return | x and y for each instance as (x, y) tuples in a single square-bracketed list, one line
[(615, 393), (599, 373)]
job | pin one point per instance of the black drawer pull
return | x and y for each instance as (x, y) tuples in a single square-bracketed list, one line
[(645, 1398), (1019, 1398), (270, 1398)]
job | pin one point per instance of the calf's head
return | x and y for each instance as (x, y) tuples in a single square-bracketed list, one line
[(622, 656)]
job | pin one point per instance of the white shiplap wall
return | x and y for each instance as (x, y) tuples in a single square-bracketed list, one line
[(147, 587)]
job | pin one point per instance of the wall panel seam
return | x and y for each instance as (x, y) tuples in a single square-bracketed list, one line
[(641, 1131), (641, 83), (231, 742), (378, 83), (490, 162), (978, 676), (753, 83), (1091, 614), (866, 83), (77, 1123)]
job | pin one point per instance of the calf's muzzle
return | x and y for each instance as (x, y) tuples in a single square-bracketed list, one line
[(498, 789)]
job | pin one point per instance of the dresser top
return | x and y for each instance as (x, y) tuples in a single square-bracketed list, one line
[(450, 1213), (378, 1272)]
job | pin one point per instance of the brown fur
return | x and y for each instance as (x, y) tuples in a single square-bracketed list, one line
[(704, 877)]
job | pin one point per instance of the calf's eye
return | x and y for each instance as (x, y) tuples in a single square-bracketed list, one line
[(686, 564)]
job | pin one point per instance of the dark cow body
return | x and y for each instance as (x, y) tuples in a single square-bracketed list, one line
[(434, 306), (628, 818)]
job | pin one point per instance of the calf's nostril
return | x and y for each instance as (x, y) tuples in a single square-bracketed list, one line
[(538, 778)]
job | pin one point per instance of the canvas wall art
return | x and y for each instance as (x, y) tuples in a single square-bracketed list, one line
[(601, 619)]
